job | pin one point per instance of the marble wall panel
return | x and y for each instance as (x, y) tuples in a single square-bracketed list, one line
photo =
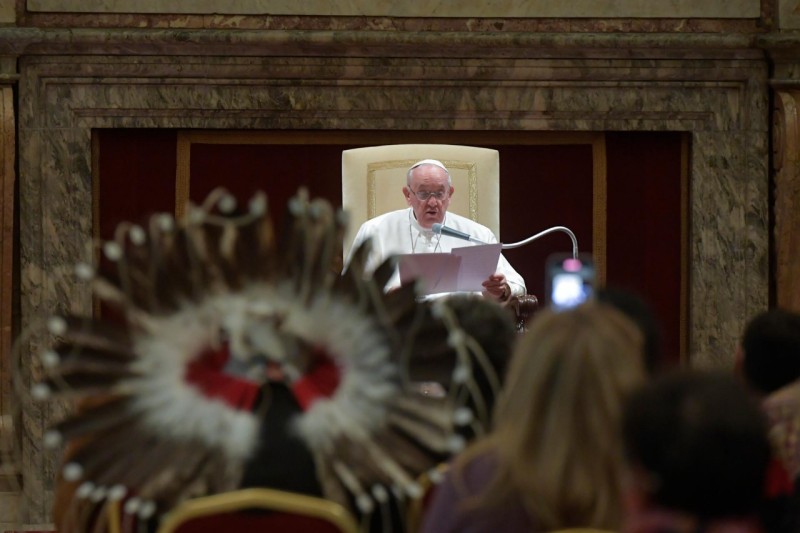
[(728, 240), (8, 11), (7, 217), (525, 99), (463, 8), (789, 15), (786, 142), (54, 236), (617, 26), (719, 96)]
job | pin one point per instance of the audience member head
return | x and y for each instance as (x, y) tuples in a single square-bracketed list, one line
[(428, 190), (492, 328), (635, 308), (488, 333), (488, 322), (697, 445), (556, 434), (769, 356)]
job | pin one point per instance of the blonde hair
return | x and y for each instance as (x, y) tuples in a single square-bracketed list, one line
[(556, 436)]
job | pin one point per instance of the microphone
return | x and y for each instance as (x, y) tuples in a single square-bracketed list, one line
[(441, 229), (542, 234)]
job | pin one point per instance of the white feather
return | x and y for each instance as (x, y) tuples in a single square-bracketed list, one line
[(175, 408)]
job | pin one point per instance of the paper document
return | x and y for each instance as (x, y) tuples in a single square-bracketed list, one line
[(463, 269)]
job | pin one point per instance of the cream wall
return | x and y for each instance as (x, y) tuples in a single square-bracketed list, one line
[(433, 8), (7, 11)]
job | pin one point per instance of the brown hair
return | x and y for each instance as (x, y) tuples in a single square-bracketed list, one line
[(556, 436)]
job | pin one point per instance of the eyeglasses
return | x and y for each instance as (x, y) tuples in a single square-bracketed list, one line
[(423, 196)]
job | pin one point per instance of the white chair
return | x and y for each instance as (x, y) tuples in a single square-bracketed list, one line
[(373, 179)]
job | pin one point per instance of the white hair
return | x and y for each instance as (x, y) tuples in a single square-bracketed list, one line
[(434, 162)]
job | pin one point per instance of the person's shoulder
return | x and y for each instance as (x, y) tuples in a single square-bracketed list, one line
[(381, 221), (455, 217), (388, 217)]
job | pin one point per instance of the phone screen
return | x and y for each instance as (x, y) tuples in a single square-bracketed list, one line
[(570, 281)]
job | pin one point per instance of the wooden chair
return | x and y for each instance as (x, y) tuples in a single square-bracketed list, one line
[(258, 509)]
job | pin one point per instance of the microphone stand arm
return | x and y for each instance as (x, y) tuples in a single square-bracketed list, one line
[(542, 234)]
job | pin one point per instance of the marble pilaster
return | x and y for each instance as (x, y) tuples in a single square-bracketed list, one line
[(784, 53), (7, 179), (786, 135)]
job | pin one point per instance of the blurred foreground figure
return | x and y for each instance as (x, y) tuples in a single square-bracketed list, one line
[(639, 311), (219, 323), (554, 457), (698, 450), (768, 361), (769, 353)]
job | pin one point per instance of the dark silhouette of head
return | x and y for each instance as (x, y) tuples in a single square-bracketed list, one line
[(771, 350), (636, 309), (698, 444), (490, 324)]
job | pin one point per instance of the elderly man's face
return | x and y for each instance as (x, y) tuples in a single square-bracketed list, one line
[(430, 181)]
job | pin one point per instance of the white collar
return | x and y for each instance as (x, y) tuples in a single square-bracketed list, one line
[(412, 219)]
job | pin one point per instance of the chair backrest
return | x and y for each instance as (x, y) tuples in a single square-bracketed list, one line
[(373, 179), (258, 509)]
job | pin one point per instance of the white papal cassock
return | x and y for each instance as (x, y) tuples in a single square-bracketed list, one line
[(398, 232)]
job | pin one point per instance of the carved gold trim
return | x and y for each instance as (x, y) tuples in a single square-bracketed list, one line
[(472, 183), (372, 187)]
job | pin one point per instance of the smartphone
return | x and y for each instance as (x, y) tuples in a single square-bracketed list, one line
[(570, 281)]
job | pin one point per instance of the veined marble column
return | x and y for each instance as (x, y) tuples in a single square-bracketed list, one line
[(786, 160), (7, 177)]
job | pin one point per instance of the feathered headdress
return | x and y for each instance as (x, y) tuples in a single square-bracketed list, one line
[(198, 312)]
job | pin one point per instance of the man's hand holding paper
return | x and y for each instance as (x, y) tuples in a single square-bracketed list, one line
[(463, 269)]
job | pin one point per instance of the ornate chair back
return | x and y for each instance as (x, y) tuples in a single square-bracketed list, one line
[(373, 179)]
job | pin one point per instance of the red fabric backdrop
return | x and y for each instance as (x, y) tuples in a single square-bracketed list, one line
[(541, 186), (643, 251)]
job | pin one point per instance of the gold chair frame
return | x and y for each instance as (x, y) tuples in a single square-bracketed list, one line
[(259, 498)]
